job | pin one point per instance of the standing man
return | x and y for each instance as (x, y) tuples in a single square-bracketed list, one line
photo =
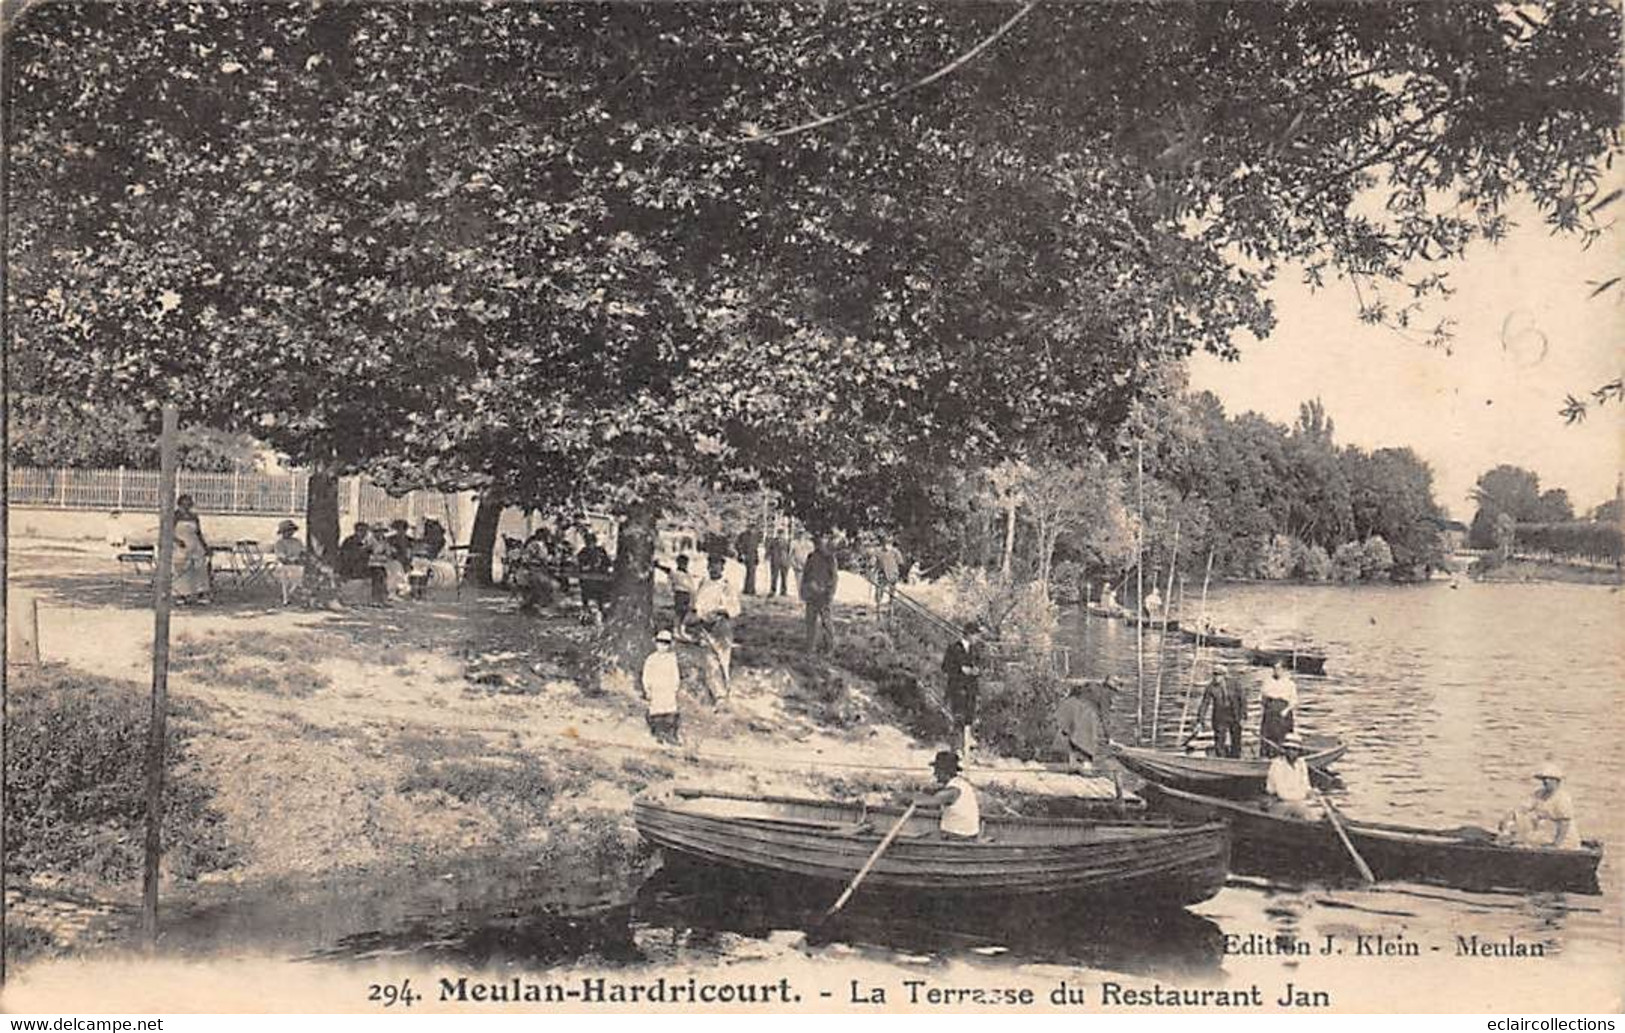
[(1227, 700), (962, 667), (888, 571), (715, 607), (778, 564), (593, 566), (749, 544), (818, 576), (1081, 728)]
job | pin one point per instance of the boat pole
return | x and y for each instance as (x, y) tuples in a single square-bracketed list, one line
[(1139, 594), (1162, 645), (885, 842), (1342, 833), (1201, 634)]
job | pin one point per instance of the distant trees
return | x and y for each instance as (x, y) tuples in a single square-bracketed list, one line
[(1507, 489)]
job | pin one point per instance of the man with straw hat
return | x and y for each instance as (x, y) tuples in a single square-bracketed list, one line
[(961, 812), (1547, 820), (1288, 780)]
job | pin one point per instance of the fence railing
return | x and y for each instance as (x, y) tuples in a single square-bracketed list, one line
[(250, 492), (245, 493)]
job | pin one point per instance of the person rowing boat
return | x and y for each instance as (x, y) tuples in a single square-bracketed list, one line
[(1287, 783), (961, 812), (1547, 820)]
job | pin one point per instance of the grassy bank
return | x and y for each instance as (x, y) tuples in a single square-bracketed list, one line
[(312, 747)]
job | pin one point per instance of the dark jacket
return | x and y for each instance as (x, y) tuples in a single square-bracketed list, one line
[(818, 578), (958, 657), (353, 553)]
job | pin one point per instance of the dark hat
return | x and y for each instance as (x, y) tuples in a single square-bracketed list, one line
[(287, 525), (946, 759)]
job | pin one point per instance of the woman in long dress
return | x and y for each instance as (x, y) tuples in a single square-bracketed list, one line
[(191, 563)]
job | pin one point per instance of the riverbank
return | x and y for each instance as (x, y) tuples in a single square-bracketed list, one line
[(318, 750), (1522, 570)]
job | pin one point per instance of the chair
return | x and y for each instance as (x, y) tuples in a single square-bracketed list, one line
[(138, 565), (253, 564)]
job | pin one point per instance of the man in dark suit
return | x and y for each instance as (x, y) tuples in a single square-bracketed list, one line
[(962, 669)]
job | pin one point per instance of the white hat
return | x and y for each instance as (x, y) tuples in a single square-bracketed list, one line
[(663, 635), (1550, 769), (1292, 739)]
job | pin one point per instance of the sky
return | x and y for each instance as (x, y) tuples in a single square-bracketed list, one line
[(1494, 399)]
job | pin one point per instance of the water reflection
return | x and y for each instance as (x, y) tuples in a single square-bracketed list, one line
[(1166, 943)]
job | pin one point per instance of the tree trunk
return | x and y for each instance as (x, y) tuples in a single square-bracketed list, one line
[(624, 642), (322, 513), (482, 538), (1009, 536)]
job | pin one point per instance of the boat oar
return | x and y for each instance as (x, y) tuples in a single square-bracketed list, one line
[(885, 841), (1342, 833)]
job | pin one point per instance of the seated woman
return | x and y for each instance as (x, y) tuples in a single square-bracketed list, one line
[(290, 559), (1547, 820)]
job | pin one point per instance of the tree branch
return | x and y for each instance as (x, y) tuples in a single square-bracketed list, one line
[(918, 84)]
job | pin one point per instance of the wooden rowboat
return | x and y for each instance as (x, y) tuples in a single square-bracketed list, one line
[(1103, 610), (1122, 864), (1151, 623), (1216, 639), (1267, 843), (1294, 659), (1236, 778)]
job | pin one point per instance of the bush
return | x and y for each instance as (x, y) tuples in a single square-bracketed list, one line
[(1066, 582), (1376, 559), (1348, 561), (76, 782), (1016, 717), (1021, 615), (1277, 558), (1314, 564)]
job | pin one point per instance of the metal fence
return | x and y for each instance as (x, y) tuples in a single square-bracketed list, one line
[(267, 494)]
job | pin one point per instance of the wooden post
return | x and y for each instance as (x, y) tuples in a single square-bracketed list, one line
[(1139, 595), (236, 489), (1201, 634), (22, 633), (1162, 644), (121, 488), (157, 726)]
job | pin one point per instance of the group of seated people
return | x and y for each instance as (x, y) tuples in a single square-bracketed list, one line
[(541, 565), (392, 562)]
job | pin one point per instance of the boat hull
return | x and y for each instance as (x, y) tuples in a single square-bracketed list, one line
[(1235, 778), (1303, 663), (1216, 640), (1152, 623), (1270, 844), (1129, 864)]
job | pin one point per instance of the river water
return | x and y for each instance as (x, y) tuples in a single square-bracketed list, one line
[(1447, 697)]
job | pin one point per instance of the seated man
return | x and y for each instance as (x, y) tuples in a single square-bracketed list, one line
[(1288, 784), (1547, 820), (961, 812)]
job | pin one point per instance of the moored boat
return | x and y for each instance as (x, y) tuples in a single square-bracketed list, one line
[(1219, 639), (1230, 777), (1133, 864), (1104, 610), (1151, 623), (1302, 661), (1267, 843)]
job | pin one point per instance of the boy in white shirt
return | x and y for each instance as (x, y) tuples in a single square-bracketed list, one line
[(661, 679)]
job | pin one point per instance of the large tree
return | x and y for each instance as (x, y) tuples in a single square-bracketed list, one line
[(597, 250)]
